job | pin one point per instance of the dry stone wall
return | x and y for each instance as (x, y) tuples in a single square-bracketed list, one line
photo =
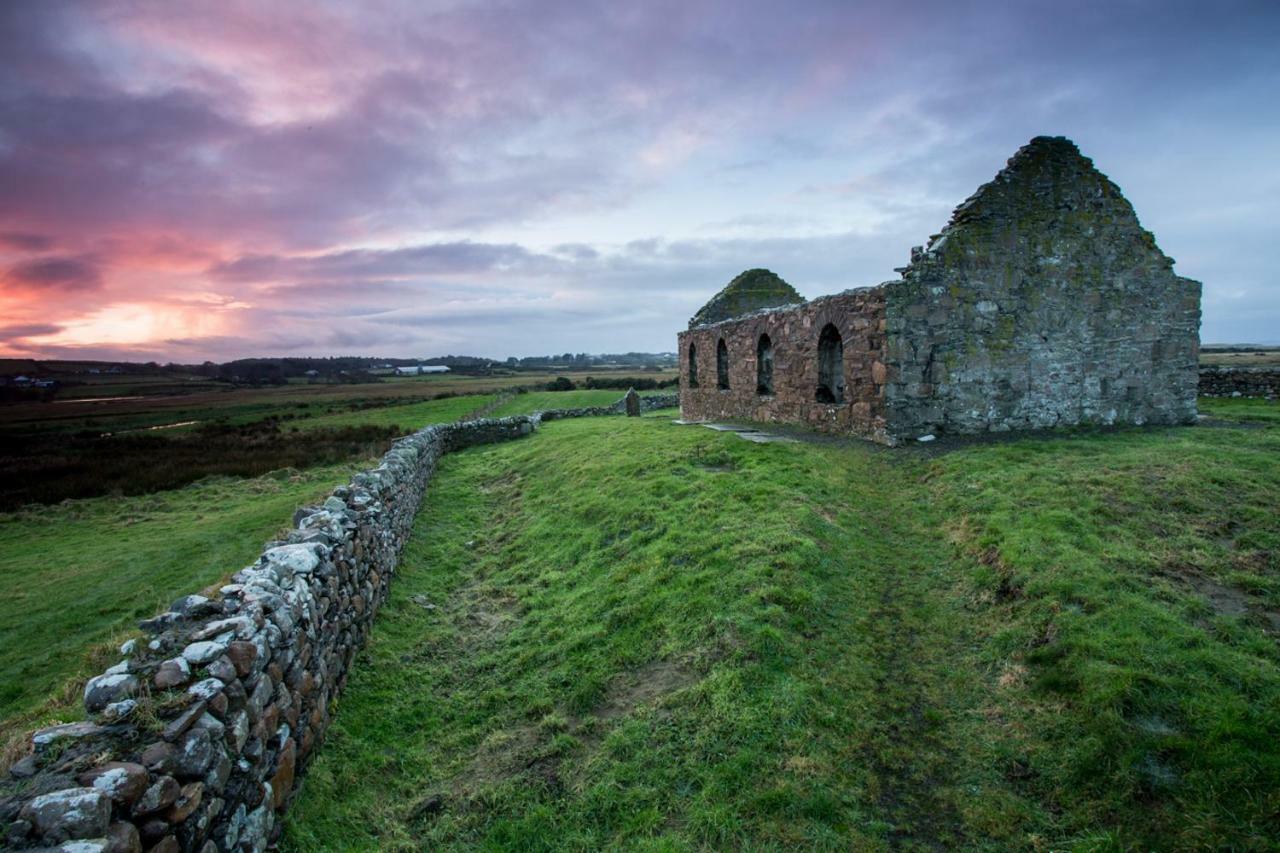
[(197, 738), (647, 404), (1263, 382)]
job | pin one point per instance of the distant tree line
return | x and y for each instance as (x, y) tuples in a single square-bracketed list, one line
[(335, 369), (619, 383), (583, 361)]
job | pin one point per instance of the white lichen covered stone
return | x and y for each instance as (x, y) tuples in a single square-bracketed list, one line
[(102, 690), (70, 813), (203, 652)]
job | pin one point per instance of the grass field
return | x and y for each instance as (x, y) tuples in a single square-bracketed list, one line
[(624, 633), (78, 576), (1240, 409), (137, 406), (1264, 357), (408, 417)]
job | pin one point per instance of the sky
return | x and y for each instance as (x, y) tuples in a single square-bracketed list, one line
[(206, 181)]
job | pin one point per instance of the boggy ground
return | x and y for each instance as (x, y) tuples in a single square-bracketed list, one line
[(628, 633)]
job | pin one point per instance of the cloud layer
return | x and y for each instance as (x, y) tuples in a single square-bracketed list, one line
[(189, 180)]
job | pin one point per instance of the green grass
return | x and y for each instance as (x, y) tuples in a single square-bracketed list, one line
[(79, 575), (536, 401), (408, 417), (1240, 409), (207, 402), (623, 633)]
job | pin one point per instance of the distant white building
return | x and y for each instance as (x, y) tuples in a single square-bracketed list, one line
[(419, 369)]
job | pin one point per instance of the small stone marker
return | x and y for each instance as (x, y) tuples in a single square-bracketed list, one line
[(633, 403)]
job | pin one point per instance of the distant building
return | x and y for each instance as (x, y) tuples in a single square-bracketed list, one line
[(419, 369)]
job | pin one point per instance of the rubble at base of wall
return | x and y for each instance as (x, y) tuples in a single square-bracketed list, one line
[(1259, 382), (197, 738)]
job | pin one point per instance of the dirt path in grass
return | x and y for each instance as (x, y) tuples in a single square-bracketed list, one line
[(898, 633), (910, 765)]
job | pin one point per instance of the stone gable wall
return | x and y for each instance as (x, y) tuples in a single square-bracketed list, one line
[(197, 738), (1044, 303), (859, 317)]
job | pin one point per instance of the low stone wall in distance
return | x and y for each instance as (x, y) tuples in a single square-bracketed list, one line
[(1240, 382), (647, 404), (197, 738)]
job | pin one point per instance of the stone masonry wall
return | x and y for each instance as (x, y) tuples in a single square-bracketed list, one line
[(1261, 382), (1043, 303), (197, 738), (859, 317)]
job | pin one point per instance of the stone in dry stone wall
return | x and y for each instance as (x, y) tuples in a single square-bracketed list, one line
[(654, 402), (198, 737), (1261, 382)]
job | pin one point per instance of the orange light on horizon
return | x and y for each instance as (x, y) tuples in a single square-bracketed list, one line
[(137, 323)]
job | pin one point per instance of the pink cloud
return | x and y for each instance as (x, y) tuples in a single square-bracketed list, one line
[(375, 165)]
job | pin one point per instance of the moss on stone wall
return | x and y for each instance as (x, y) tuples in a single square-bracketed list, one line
[(1045, 282), (749, 291)]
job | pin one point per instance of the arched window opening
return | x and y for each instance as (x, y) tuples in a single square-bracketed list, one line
[(764, 366), (693, 366), (830, 366), (722, 366)]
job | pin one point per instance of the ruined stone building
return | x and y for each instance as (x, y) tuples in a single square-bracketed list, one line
[(1042, 303)]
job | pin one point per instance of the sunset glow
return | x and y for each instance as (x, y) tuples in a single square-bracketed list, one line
[(188, 181)]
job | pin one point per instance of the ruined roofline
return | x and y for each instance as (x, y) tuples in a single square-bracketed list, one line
[(783, 309), (1037, 151), (748, 291), (985, 202)]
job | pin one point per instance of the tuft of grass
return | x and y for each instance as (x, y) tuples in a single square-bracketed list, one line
[(80, 574), (624, 633)]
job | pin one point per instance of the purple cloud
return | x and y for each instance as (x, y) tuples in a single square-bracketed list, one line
[(566, 175), (64, 274), (25, 242), (30, 330)]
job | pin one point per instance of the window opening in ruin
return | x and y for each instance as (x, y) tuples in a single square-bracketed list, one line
[(764, 366), (722, 366), (830, 366), (693, 366)]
